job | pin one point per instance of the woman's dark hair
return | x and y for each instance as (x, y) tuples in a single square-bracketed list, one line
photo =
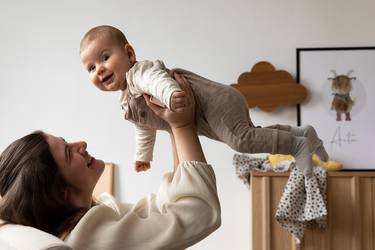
[(32, 189)]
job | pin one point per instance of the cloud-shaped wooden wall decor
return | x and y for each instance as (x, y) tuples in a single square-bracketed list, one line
[(268, 88)]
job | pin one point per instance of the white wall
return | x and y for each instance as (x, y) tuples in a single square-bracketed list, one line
[(43, 85)]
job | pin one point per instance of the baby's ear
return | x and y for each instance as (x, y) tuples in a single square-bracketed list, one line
[(131, 53)]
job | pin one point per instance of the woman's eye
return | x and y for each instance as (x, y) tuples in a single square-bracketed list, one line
[(105, 57)]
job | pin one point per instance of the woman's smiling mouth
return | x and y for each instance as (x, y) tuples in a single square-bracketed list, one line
[(90, 161)]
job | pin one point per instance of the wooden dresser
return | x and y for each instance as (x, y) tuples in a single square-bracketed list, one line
[(351, 213)]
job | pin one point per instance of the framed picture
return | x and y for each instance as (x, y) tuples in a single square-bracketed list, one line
[(341, 101)]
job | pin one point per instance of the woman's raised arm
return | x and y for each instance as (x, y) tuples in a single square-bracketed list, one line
[(185, 210), (182, 123)]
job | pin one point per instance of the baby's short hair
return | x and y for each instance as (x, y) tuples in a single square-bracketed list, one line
[(106, 31)]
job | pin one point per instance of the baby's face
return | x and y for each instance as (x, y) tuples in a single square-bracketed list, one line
[(107, 63)]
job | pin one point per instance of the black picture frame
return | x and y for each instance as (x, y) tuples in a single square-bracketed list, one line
[(351, 139)]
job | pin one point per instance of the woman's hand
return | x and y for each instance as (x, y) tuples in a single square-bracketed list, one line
[(182, 123), (182, 116)]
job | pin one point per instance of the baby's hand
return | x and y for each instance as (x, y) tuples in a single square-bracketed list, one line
[(141, 166), (178, 100)]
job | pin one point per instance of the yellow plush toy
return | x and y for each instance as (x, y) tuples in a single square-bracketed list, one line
[(327, 165)]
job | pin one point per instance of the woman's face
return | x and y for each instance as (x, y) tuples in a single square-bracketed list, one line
[(80, 170)]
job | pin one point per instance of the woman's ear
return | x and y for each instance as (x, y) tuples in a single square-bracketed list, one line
[(131, 53), (65, 194)]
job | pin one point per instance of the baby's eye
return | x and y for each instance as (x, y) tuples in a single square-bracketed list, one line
[(105, 57), (91, 68)]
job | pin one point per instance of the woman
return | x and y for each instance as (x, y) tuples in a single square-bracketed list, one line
[(47, 183)]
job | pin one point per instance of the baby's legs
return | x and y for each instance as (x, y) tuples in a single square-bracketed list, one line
[(309, 132), (231, 123), (246, 139)]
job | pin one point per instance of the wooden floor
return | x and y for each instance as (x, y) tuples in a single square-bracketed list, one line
[(351, 213)]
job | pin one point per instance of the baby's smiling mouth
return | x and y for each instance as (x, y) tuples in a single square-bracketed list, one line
[(105, 79)]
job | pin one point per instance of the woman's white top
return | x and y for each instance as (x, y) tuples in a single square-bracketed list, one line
[(185, 210)]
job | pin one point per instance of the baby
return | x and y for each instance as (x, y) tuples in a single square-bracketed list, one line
[(221, 111)]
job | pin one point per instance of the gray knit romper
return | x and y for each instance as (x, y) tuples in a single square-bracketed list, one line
[(222, 114)]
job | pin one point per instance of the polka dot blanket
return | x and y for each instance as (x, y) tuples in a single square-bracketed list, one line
[(304, 200)]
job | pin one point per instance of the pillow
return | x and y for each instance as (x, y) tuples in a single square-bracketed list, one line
[(19, 237)]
